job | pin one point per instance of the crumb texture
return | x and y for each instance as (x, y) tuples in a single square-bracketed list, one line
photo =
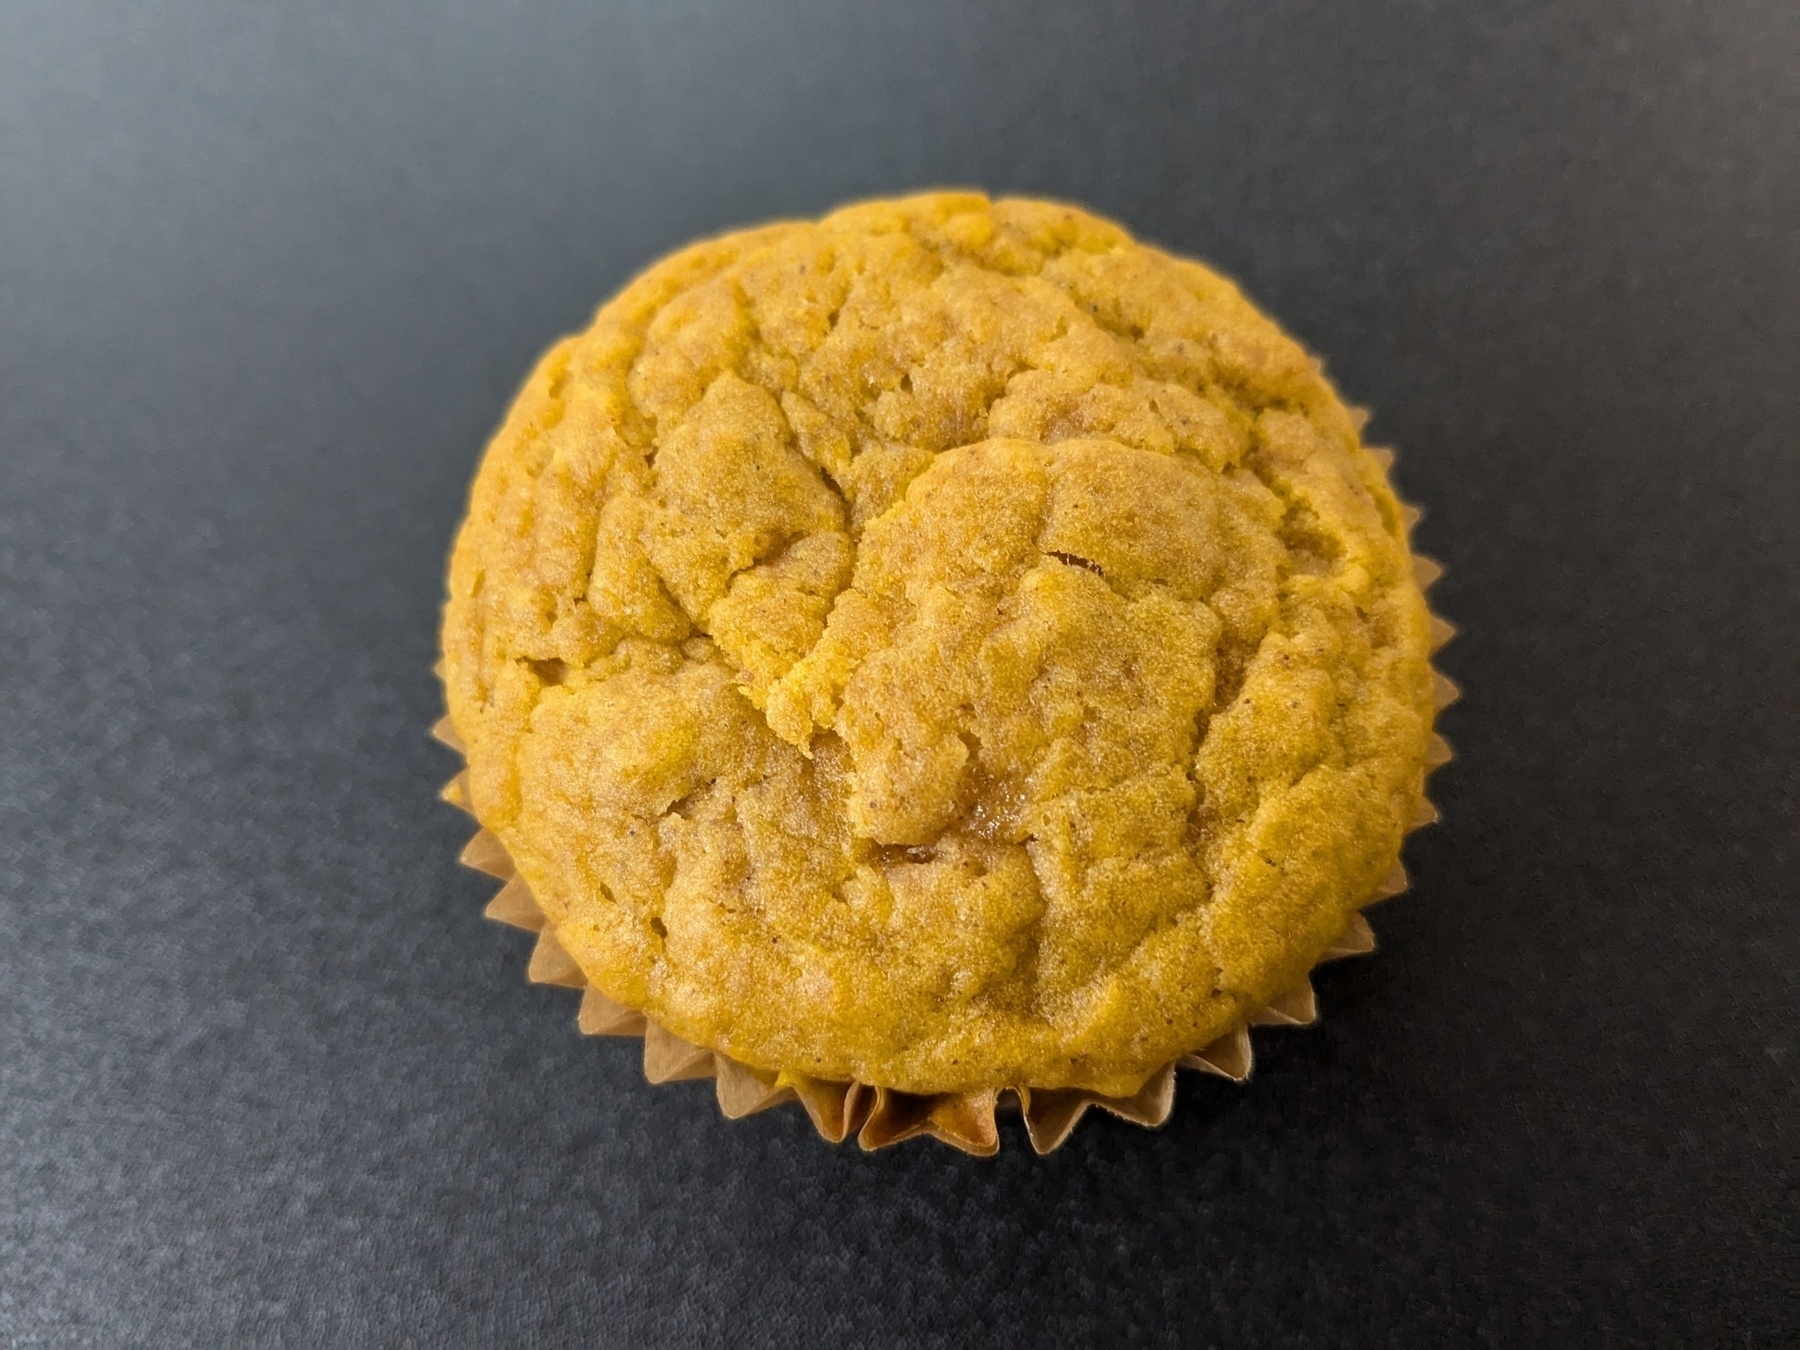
[(948, 645)]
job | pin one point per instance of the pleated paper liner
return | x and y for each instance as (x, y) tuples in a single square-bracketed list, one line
[(880, 1116)]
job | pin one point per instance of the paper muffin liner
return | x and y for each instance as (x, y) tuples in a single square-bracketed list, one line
[(880, 1116)]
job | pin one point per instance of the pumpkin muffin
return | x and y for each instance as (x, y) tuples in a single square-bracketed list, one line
[(948, 647)]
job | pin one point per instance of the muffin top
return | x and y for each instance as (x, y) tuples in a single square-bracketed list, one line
[(946, 646)]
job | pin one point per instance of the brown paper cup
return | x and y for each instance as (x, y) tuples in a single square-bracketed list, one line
[(880, 1116)]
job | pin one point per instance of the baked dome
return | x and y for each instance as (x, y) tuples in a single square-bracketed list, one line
[(946, 646)]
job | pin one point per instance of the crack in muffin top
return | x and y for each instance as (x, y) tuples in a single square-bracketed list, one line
[(949, 645)]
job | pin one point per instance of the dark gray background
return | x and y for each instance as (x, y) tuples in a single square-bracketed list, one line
[(268, 275)]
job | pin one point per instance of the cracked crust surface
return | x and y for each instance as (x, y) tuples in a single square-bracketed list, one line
[(949, 645)]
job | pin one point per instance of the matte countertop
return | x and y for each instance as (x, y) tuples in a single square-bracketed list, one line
[(268, 277)]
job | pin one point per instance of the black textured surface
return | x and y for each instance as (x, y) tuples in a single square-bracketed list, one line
[(266, 281)]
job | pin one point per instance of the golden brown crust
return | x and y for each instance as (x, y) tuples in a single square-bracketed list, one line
[(948, 646)]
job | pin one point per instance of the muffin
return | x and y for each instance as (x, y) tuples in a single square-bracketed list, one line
[(945, 653)]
